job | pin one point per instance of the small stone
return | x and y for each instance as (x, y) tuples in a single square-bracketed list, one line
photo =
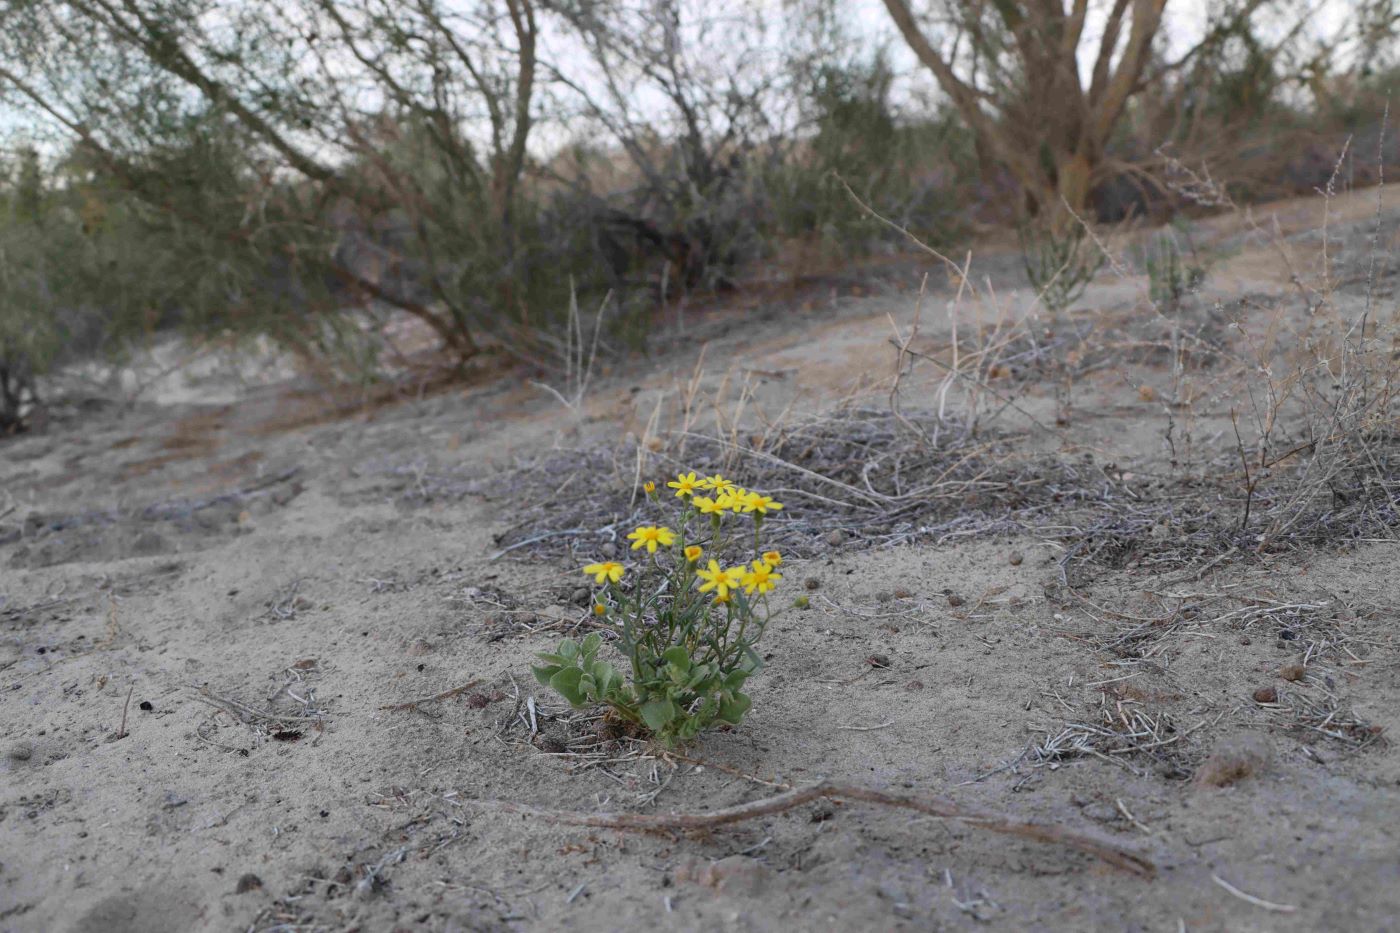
[(21, 751), (914, 685), (1266, 695), (878, 660), (812, 583), (955, 600), (581, 596), (1292, 672), (1234, 759), (835, 538), (1244, 639), (145, 706), (248, 882), (1016, 558), (884, 596), (901, 593), (478, 700), (608, 550)]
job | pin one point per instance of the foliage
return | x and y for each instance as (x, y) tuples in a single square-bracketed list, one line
[(1172, 273), (1059, 263), (686, 625)]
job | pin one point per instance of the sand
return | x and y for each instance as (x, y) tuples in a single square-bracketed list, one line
[(247, 585)]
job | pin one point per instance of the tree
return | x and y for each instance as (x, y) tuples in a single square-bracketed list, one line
[(401, 126), (1012, 70)]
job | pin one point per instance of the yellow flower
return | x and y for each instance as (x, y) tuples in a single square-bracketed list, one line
[(648, 487), (754, 502), (726, 598), (649, 536), (717, 482), (761, 579), (599, 609), (684, 484), (772, 558), (693, 553), (608, 570), (707, 506), (731, 498), (721, 581)]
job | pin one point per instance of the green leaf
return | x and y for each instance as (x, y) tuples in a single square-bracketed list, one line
[(545, 674), (733, 710), (591, 644), (567, 683), (606, 677), (677, 657), (568, 649), (657, 713)]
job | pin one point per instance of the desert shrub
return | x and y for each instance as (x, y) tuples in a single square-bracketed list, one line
[(686, 625), (66, 288), (1173, 271), (907, 170), (1060, 263)]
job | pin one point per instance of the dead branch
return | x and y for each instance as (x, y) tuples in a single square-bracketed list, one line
[(1110, 852)]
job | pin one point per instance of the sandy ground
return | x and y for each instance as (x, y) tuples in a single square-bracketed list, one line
[(247, 586)]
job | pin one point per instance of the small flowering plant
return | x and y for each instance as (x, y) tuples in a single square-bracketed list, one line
[(686, 613)]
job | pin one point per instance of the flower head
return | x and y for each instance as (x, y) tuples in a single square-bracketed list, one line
[(721, 581), (648, 487), (772, 558), (760, 579), (607, 570), (693, 552), (717, 483), (760, 504), (731, 498), (599, 609), (685, 484), (707, 506), (649, 536)]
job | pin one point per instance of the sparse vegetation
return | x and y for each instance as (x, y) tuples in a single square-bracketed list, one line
[(687, 625)]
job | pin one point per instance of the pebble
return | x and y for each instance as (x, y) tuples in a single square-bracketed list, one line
[(835, 538), (1292, 672), (1266, 695), (1016, 558), (248, 882), (812, 583), (21, 751), (955, 600)]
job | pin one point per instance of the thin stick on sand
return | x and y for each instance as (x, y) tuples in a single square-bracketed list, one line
[(1110, 852)]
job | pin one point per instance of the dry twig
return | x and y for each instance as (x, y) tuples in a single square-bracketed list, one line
[(1106, 850)]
